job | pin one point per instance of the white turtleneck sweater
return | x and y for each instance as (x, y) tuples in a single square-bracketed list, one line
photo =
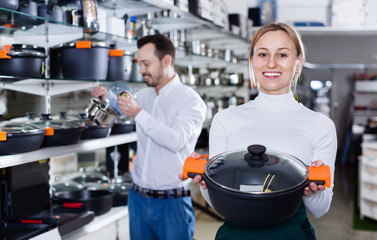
[(280, 123)]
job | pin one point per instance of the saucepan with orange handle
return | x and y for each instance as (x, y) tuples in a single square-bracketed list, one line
[(256, 186)]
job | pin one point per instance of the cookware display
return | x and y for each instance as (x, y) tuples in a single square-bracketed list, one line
[(84, 177), (120, 64), (58, 132), (119, 190), (135, 75), (61, 185), (256, 186), (10, 4), (123, 125), (98, 201), (21, 61), (105, 112), (82, 13), (91, 129), (51, 11), (30, 9), (84, 60), (17, 137)]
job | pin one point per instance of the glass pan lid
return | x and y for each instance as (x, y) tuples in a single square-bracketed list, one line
[(256, 171)]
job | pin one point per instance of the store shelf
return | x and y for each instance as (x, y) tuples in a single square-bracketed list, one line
[(82, 146), (99, 222)]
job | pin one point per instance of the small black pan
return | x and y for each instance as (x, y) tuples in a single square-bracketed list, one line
[(98, 201)]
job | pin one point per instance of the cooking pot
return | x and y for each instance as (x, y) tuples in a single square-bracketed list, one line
[(135, 75), (255, 186), (21, 61), (84, 60), (91, 129), (16, 137), (51, 11), (10, 4), (30, 9), (120, 64), (119, 190), (98, 201), (58, 132), (123, 125), (105, 112)]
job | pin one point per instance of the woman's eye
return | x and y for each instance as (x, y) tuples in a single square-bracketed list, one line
[(262, 54), (282, 55)]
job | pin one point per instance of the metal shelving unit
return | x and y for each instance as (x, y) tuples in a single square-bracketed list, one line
[(82, 146)]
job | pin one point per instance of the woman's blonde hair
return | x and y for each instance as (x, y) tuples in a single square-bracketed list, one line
[(293, 34)]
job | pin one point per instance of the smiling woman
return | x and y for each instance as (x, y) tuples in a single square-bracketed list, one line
[(276, 60), (276, 120)]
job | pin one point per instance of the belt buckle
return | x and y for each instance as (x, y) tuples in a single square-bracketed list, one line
[(149, 193)]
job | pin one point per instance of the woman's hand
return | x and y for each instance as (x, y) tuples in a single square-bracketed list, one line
[(99, 92), (313, 187), (197, 180)]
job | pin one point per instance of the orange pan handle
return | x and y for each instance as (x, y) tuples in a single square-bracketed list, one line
[(320, 175), (194, 166)]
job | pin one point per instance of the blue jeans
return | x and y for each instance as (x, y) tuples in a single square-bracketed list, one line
[(163, 219)]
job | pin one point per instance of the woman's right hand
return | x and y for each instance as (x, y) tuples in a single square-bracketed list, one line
[(197, 180), (99, 92)]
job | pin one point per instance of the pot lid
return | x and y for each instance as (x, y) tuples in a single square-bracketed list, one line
[(12, 127), (256, 170), (84, 177), (20, 50), (46, 121), (113, 187)]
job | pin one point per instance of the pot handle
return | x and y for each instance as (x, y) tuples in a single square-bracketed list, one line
[(320, 175), (194, 166)]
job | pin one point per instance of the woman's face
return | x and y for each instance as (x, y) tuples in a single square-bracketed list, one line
[(275, 62)]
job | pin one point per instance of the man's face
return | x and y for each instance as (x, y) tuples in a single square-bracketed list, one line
[(150, 65)]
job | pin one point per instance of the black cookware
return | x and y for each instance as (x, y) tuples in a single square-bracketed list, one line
[(91, 129), (16, 137), (9, 4), (58, 132), (51, 11), (256, 186), (21, 61), (28, 9), (123, 125), (120, 64), (120, 191), (84, 60), (98, 201)]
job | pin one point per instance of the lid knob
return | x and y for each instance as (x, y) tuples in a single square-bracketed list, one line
[(256, 156), (45, 116)]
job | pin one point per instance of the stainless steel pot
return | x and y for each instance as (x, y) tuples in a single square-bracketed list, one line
[(101, 112)]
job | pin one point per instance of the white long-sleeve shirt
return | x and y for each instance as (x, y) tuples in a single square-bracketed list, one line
[(280, 123), (167, 127)]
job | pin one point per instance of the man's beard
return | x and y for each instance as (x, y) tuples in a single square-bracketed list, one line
[(154, 81)]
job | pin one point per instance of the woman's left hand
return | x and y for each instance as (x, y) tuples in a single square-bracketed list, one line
[(313, 187)]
